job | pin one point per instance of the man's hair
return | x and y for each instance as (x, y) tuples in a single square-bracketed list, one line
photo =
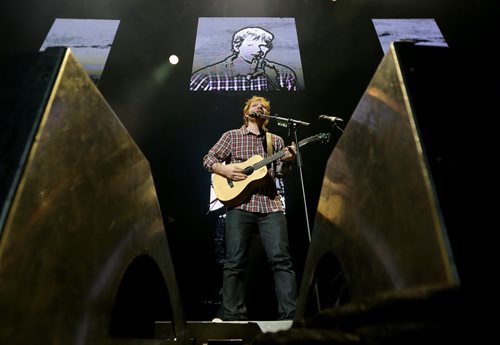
[(265, 103), (256, 33)]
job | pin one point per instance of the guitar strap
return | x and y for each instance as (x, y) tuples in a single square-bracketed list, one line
[(269, 144), (269, 140)]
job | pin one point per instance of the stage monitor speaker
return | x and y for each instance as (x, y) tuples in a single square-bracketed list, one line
[(84, 257), (401, 205)]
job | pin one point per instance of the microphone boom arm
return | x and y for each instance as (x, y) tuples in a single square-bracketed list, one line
[(287, 120)]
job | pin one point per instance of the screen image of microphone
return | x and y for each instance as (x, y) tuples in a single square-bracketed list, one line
[(330, 118), (255, 115)]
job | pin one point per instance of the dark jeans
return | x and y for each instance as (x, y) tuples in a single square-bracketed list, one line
[(273, 232)]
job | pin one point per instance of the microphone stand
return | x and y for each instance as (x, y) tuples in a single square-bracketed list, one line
[(292, 128)]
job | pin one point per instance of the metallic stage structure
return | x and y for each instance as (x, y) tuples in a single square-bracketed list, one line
[(84, 257), (379, 212)]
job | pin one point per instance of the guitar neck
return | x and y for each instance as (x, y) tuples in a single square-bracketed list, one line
[(269, 159), (279, 154)]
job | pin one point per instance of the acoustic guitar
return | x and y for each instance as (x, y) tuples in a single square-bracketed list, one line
[(232, 193)]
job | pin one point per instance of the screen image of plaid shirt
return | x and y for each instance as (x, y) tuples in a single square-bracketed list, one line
[(222, 76)]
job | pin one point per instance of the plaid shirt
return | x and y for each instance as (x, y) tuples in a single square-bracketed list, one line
[(238, 145), (238, 83), (223, 77)]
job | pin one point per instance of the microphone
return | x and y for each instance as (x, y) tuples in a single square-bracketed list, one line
[(255, 115), (330, 118)]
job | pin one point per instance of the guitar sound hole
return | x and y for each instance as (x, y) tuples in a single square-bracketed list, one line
[(248, 170), (230, 183)]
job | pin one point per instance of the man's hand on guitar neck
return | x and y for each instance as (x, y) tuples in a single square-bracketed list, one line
[(290, 152), (230, 171)]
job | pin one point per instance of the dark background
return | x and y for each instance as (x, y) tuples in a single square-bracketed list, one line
[(175, 128)]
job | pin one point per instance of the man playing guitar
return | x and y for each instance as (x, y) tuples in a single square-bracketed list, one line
[(255, 205)]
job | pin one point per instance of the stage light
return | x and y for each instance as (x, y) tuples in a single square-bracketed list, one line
[(173, 59)]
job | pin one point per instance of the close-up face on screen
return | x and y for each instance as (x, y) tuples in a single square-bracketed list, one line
[(246, 54)]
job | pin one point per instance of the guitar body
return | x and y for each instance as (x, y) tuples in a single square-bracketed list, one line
[(232, 193)]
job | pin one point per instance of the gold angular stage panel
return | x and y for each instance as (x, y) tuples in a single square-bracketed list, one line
[(378, 212), (84, 257)]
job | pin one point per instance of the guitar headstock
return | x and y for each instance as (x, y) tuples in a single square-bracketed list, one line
[(320, 137)]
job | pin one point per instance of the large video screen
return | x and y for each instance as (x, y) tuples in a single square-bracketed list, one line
[(246, 54), (89, 39), (420, 31)]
